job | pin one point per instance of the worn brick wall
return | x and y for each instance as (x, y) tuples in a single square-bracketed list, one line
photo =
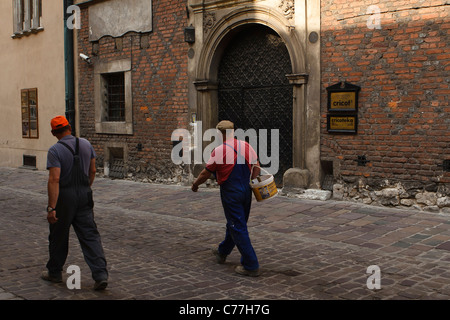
[(403, 70), (159, 88)]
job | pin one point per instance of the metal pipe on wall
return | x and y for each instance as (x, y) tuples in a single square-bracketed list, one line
[(69, 68)]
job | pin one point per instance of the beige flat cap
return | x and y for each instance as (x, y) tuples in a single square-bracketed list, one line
[(224, 125)]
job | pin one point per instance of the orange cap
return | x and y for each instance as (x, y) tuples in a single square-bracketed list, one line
[(59, 122)]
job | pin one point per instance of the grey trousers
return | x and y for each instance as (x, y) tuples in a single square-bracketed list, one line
[(75, 208)]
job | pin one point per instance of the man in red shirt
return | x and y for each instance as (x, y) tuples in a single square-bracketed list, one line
[(232, 163)]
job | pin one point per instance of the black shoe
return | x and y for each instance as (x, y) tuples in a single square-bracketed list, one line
[(100, 285), (52, 278), (220, 258)]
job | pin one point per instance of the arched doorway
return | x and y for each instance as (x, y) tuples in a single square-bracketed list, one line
[(253, 90)]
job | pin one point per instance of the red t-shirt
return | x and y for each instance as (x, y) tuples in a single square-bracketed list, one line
[(223, 158)]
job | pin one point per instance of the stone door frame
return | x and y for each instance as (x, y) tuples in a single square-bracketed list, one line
[(214, 26)]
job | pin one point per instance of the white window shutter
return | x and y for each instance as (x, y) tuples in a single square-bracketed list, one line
[(17, 18), (36, 15)]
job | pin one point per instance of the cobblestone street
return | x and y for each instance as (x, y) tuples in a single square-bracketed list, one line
[(158, 241)]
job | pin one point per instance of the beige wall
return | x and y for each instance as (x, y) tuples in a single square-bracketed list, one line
[(34, 61)]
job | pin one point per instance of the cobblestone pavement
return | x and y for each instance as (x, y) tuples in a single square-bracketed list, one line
[(158, 241)]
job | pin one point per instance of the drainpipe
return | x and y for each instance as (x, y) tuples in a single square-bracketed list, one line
[(69, 68)]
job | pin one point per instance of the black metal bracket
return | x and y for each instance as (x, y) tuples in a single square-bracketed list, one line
[(362, 161), (445, 165), (175, 143)]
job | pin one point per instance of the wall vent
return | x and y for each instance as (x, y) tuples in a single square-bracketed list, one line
[(29, 161)]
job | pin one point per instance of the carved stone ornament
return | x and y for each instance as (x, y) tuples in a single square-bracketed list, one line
[(288, 8), (209, 18)]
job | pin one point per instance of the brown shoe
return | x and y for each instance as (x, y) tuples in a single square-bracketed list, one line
[(52, 278), (251, 273)]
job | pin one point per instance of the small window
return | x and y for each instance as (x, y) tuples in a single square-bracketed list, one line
[(114, 96), (29, 106), (27, 17)]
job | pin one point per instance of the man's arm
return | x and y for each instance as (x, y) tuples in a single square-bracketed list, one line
[(53, 192), (204, 175), (92, 171)]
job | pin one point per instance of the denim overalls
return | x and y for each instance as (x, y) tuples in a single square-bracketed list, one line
[(236, 196)]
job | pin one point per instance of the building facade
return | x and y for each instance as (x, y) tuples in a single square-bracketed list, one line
[(32, 79), (133, 94), (357, 92), (398, 54)]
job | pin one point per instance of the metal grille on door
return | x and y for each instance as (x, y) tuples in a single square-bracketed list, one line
[(254, 92)]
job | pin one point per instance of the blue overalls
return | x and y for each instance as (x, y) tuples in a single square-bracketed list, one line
[(236, 196)]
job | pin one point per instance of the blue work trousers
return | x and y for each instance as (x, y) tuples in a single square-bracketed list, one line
[(236, 196)]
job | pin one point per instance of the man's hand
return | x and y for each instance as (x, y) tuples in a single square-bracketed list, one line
[(256, 170), (204, 175), (51, 217)]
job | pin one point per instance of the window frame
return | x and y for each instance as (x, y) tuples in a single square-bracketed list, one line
[(31, 134), (102, 125)]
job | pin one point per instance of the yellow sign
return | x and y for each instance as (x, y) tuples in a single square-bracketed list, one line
[(342, 123), (343, 100)]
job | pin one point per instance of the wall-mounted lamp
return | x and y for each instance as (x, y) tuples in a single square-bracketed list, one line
[(139, 147), (189, 34)]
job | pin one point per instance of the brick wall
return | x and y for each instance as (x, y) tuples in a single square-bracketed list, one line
[(403, 70), (159, 88)]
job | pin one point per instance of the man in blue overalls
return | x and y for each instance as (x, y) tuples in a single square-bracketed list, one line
[(71, 165), (231, 163)]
